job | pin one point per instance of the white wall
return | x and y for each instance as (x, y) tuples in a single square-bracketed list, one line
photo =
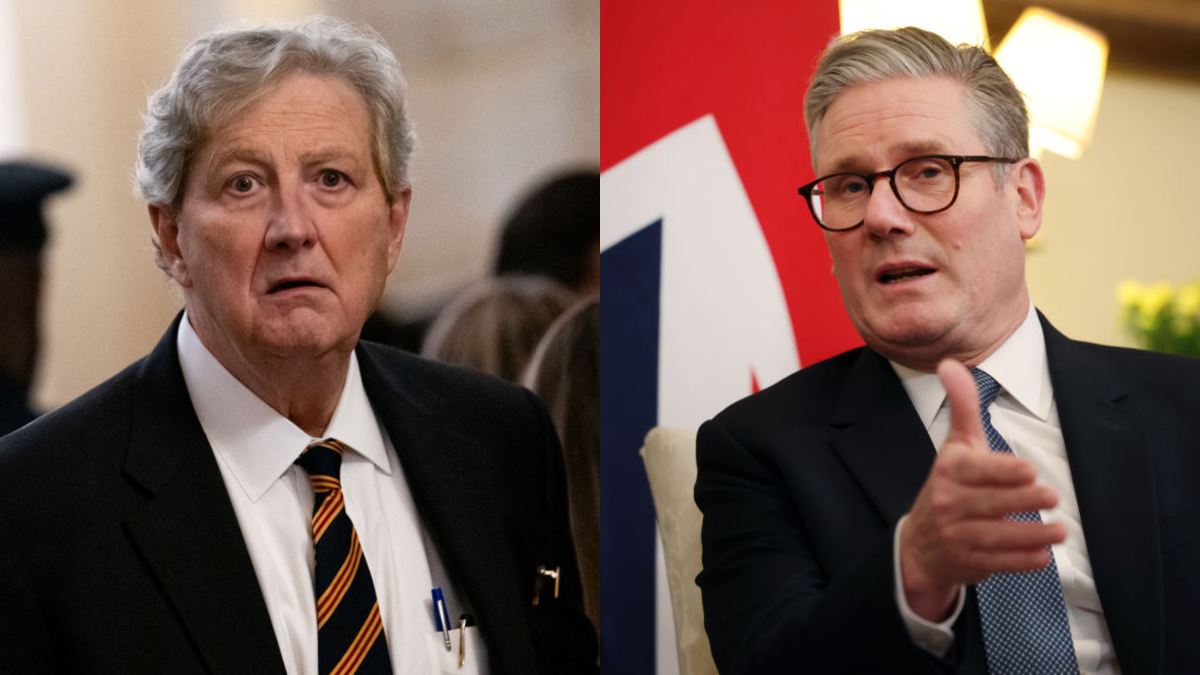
[(12, 108), (1129, 208), (86, 67)]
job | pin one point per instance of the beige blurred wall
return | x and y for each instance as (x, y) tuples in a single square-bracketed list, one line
[(502, 93), (1129, 208), (85, 68)]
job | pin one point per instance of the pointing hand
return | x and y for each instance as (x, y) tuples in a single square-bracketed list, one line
[(956, 532)]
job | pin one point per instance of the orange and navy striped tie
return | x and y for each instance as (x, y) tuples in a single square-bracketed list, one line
[(350, 635)]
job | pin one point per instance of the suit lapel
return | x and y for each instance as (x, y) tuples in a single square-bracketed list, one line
[(451, 478), (185, 527), (1111, 468), (879, 436)]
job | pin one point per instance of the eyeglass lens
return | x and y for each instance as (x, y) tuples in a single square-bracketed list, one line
[(924, 184)]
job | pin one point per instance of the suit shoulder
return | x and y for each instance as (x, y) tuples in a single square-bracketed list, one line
[(93, 415), (807, 394), (76, 446), (1141, 358), (1148, 370)]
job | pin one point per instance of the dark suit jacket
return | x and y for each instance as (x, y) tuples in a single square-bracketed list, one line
[(120, 551), (801, 486)]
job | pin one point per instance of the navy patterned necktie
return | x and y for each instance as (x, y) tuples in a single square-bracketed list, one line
[(1024, 617), (350, 636)]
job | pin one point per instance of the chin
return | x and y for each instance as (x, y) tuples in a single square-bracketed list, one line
[(916, 327), (914, 333), (311, 337)]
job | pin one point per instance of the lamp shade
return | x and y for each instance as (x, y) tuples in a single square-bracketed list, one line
[(958, 21), (1058, 64)]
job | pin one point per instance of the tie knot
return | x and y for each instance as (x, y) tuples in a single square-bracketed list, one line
[(323, 458), (988, 387)]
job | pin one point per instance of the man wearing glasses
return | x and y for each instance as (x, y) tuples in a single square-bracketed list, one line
[(972, 491)]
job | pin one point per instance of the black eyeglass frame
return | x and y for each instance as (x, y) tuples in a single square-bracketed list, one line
[(955, 161)]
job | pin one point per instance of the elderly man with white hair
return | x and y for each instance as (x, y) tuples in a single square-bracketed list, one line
[(264, 493)]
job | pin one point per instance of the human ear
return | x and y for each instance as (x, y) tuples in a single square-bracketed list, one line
[(166, 232), (1030, 184), (397, 219)]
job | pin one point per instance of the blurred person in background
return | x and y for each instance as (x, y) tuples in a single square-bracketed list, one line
[(264, 492), (554, 231), (23, 188), (494, 325), (565, 374)]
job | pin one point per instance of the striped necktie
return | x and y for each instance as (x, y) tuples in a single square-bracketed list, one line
[(1024, 617), (350, 635)]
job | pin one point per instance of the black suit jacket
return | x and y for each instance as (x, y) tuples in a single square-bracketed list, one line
[(801, 486), (120, 551)]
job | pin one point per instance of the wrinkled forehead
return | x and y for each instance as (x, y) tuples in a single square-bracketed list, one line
[(872, 126), (225, 109), (331, 108)]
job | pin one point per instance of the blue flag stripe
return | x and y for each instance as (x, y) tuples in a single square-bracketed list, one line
[(630, 285)]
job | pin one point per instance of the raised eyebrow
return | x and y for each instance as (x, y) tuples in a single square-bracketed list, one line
[(237, 155), (330, 156), (918, 149), (214, 171), (248, 156)]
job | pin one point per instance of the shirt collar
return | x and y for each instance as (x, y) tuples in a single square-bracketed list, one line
[(1019, 365), (256, 442)]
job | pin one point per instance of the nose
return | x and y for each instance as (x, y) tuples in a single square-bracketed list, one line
[(290, 224), (885, 214)]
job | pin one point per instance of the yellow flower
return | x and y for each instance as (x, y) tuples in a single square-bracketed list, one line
[(1129, 294), (1187, 303), (1155, 299)]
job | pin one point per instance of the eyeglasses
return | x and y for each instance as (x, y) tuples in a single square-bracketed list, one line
[(925, 185)]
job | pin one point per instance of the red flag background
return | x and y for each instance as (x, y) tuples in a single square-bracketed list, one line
[(668, 62)]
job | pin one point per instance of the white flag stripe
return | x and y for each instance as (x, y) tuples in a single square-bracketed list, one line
[(723, 310)]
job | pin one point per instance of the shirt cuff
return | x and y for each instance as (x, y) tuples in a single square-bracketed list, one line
[(934, 638)]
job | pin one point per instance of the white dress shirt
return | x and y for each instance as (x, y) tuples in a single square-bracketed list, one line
[(1026, 416), (255, 448)]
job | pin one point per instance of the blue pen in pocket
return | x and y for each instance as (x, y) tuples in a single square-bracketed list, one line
[(441, 616)]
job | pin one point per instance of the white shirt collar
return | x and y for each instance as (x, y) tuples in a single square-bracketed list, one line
[(1019, 365), (258, 443)]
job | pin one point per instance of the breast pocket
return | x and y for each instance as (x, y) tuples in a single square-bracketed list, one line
[(474, 654)]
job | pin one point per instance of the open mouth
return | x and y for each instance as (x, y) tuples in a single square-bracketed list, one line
[(293, 283), (904, 274)]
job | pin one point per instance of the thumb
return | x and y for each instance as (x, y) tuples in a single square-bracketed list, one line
[(963, 397)]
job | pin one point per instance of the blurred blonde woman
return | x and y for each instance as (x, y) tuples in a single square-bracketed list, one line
[(495, 325), (565, 373)]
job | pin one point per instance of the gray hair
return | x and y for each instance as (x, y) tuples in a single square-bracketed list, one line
[(997, 110), (224, 72)]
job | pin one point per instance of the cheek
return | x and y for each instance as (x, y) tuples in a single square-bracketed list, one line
[(377, 251), (221, 257), (841, 256)]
